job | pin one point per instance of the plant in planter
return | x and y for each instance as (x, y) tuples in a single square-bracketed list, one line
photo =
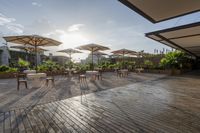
[(174, 61), (23, 65), (148, 64)]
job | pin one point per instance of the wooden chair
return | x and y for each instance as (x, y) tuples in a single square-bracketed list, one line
[(21, 78), (50, 77), (82, 77), (119, 73), (65, 73), (98, 75)]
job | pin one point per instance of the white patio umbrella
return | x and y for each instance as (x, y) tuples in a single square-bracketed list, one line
[(93, 47), (33, 40), (28, 48), (69, 51), (124, 52)]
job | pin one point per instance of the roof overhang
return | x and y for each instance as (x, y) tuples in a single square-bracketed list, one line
[(185, 37), (161, 10)]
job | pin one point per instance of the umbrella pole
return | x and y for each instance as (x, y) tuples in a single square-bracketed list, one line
[(70, 56), (98, 59), (35, 57), (92, 60), (123, 60)]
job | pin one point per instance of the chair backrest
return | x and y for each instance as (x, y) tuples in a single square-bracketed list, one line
[(50, 73), (20, 76)]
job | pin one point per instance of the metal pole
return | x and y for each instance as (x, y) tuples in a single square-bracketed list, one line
[(70, 56), (92, 60), (123, 60), (35, 57)]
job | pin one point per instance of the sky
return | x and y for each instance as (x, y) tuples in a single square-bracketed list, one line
[(78, 22)]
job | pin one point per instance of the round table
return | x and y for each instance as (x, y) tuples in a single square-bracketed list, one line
[(36, 75), (92, 74), (29, 71), (36, 78)]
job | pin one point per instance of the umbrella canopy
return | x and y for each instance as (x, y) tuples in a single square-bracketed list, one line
[(124, 52), (33, 40), (70, 51), (93, 47)]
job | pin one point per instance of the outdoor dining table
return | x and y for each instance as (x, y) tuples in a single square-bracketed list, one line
[(70, 71), (36, 78), (29, 71), (92, 74)]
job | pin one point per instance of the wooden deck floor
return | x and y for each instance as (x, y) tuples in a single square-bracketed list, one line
[(167, 104)]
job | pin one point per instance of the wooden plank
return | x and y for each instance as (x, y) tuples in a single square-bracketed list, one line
[(32, 121), (51, 123), (69, 119), (19, 121), (14, 125), (1, 122), (7, 124), (114, 117), (101, 127), (112, 123), (82, 123), (27, 125), (65, 127), (41, 124), (44, 121)]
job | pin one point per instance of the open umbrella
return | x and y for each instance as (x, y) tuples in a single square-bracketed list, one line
[(98, 54), (28, 48), (124, 52), (33, 40), (70, 51), (92, 47)]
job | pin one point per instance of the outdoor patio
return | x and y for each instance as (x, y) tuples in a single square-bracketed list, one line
[(139, 103)]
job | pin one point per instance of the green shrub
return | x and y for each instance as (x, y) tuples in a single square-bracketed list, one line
[(176, 59), (12, 69), (148, 64), (48, 66), (4, 68), (23, 63)]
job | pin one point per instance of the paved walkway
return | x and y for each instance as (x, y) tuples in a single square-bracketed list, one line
[(160, 104)]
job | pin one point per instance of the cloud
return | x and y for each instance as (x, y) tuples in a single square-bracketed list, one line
[(36, 4), (110, 22), (75, 27), (10, 24)]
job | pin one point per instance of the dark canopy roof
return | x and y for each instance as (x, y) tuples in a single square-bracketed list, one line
[(160, 10), (185, 37)]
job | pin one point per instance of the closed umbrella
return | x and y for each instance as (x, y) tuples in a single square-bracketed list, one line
[(93, 47), (33, 40)]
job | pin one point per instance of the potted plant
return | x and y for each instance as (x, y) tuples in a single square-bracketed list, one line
[(23, 65)]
